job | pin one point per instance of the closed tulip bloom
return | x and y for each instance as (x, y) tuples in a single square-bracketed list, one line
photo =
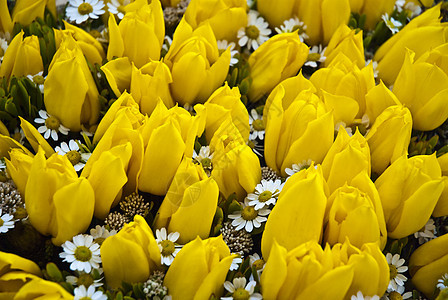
[(19, 166), (423, 88), (40, 288), (199, 269), (131, 254), (296, 130), (378, 99), (16, 263), (70, 92), (373, 9), (346, 41), (298, 216), (409, 190), (6, 23), (125, 38), (428, 263), (22, 57), (26, 11), (118, 74), (389, 137), (66, 209), (276, 12), (190, 203), (283, 55), (195, 63), (217, 14), (441, 208)]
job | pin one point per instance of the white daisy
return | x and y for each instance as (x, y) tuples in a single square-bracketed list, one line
[(256, 146), (249, 217), (235, 263), (3, 46), (6, 222), (399, 5), (257, 262), (427, 233), (100, 233), (393, 24), (117, 8), (315, 55), (167, 43), (204, 158), (85, 279), (73, 153), (83, 254), (51, 126), (396, 268), (297, 167), (18, 135), (38, 79), (223, 45), (167, 245), (240, 290), (398, 294), (413, 8), (443, 282), (360, 296), (80, 10), (88, 294), (256, 125), (292, 25), (250, 3), (266, 193), (255, 33)]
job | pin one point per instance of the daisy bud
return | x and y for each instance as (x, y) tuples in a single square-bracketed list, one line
[(283, 55), (420, 184), (126, 38), (428, 263), (199, 269), (423, 87), (22, 57), (199, 12)]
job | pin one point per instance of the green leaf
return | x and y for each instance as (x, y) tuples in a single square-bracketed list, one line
[(54, 272)]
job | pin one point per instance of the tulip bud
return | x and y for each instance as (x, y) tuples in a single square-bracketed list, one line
[(6, 23), (190, 204), (70, 93), (199, 269), (131, 254), (389, 137), (276, 12), (441, 208), (409, 190), (12, 262), (378, 99), (283, 55), (118, 74), (26, 11), (195, 63), (22, 57), (374, 9), (39, 288), (19, 166), (346, 41)]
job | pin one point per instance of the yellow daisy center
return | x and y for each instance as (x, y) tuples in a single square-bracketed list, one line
[(52, 123), (395, 296), (299, 27), (167, 247), (313, 57), (38, 79), (241, 294), (85, 9), (265, 196), (393, 271), (249, 213), (1, 222), (258, 125), (85, 279), (73, 156), (258, 264), (206, 162), (252, 32), (82, 253)]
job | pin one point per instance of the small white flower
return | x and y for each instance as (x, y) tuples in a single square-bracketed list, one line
[(117, 8), (256, 123), (266, 193), (250, 3), (396, 268), (18, 135), (256, 146), (360, 296), (85, 279), (297, 167), (83, 254), (73, 153), (392, 295), (249, 217), (443, 282), (235, 263), (292, 25), (3, 46), (51, 126), (167, 245), (399, 5), (88, 294), (223, 45), (391, 23), (80, 10), (257, 262), (6, 222), (167, 43), (255, 33), (100, 233), (415, 9), (240, 290), (204, 158), (38, 79), (315, 55), (427, 233), (374, 67), (341, 123)]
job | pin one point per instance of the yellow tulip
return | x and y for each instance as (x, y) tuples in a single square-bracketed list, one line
[(373, 9), (11, 262), (130, 255), (150, 83), (236, 168), (39, 288), (420, 35), (26, 11), (346, 41), (70, 92), (298, 128), (423, 88), (409, 190), (389, 137), (298, 216), (35, 139), (118, 74), (22, 57), (226, 103), (199, 269), (126, 38), (441, 208), (428, 263), (276, 12), (195, 63), (64, 210), (283, 55), (19, 166), (346, 158), (217, 14), (168, 135), (378, 99), (6, 24), (190, 204), (172, 3)]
